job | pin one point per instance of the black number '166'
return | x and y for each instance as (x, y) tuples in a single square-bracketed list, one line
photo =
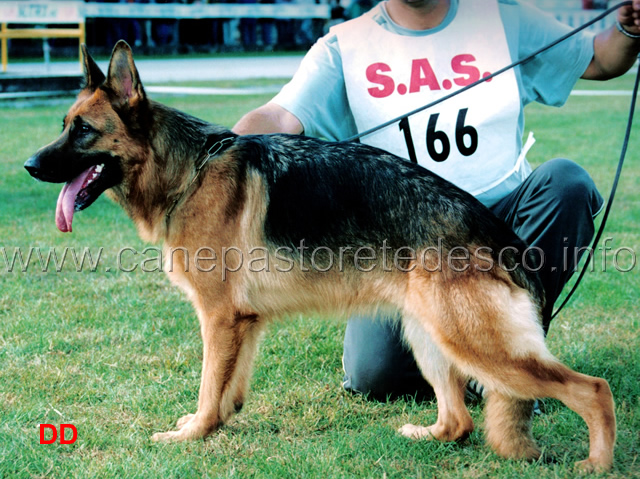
[(439, 138)]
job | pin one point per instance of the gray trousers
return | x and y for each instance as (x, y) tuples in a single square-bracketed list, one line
[(552, 210)]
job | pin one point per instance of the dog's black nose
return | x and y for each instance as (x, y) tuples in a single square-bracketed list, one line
[(32, 165)]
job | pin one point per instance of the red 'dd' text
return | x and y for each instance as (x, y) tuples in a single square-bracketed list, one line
[(54, 434)]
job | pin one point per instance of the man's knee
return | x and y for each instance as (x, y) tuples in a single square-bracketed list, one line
[(569, 183), (376, 378), (385, 381)]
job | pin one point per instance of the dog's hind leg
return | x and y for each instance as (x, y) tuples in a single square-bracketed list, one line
[(508, 426), (591, 398), (229, 346), (519, 368), (491, 330), (453, 422), (533, 376)]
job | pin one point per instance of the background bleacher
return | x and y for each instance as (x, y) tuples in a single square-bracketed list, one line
[(207, 26)]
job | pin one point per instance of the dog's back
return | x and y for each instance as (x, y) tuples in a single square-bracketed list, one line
[(333, 195)]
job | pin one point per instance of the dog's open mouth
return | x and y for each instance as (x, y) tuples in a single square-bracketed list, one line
[(77, 194)]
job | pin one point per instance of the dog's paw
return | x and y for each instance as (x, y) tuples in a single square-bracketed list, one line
[(416, 432), (190, 429), (169, 436), (184, 420), (589, 466)]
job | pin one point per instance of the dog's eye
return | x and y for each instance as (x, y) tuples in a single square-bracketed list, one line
[(81, 129)]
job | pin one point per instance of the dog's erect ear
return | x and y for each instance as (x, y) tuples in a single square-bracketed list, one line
[(123, 78), (93, 76)]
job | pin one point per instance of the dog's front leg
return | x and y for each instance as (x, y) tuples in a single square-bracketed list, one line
[(229, 346)]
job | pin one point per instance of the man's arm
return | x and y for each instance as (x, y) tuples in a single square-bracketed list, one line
[(269, 118), (615, 52), (314, 102)]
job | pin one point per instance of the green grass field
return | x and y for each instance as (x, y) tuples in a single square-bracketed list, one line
[(118, 354)]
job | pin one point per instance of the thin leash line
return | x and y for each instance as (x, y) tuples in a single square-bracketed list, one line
[(612, 194), (489, 77)]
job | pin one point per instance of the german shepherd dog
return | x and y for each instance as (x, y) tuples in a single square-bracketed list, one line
[(190, 184)]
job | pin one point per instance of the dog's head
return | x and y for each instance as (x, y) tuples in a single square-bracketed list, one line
[(100, 134)]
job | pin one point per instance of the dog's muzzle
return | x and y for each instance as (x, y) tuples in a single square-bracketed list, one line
[(32, 165)]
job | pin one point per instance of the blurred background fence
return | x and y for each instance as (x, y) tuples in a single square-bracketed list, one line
[(170, 27)]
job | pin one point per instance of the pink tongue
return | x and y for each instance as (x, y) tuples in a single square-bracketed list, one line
[(67, 201)]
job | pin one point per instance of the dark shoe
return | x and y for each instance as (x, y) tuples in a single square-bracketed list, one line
[(475, 392)]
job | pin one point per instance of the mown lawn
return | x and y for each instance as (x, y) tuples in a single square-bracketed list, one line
[(117, 354)]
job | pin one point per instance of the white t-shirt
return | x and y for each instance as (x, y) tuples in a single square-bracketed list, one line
[(318, 94)]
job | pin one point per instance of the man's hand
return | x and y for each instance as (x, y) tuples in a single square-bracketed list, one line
[(629, 18), (615, 52)]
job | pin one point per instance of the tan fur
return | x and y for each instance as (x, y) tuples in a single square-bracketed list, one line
[(508, 426), (459, 324)]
